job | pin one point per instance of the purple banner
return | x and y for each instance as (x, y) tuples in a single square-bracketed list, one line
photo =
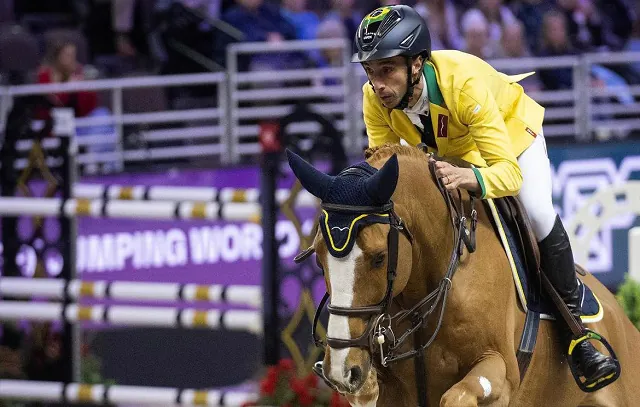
[(193, 251)]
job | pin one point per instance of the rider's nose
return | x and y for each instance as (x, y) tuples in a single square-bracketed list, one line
[(354, 377), (378, 85)]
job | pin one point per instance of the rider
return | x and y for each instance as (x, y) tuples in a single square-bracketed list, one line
[(479, 115)]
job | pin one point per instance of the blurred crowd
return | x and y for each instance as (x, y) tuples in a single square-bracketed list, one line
[(64, 40)]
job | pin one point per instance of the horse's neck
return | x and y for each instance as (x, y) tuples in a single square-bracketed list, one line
[(430, 223)]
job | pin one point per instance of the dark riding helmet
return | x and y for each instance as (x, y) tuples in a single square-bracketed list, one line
[(391, 31)]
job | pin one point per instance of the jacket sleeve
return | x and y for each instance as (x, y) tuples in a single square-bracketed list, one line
[(378, 130), (479, 110)]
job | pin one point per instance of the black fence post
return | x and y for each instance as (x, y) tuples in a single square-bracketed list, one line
[(270, 171)]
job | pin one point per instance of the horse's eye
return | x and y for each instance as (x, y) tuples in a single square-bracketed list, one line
[(378, 260)]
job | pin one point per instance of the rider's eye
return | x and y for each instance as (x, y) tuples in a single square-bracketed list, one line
[(378, 260)]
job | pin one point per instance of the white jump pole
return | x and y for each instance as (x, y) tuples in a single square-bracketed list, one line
[(117, 394), (57, 289), (12, 206), (169, 317), (182, 193)]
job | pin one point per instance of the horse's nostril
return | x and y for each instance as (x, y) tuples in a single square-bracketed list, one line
[(354, 376)]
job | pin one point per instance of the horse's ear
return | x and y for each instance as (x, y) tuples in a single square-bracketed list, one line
[(314, 181), (381, 185)]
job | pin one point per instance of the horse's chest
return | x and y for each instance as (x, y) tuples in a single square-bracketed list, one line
[(443, 361)]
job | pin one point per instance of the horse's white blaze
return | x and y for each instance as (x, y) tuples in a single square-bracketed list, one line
[(342, 279)]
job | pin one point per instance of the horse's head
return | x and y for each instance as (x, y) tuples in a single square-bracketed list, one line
[(365, 252)]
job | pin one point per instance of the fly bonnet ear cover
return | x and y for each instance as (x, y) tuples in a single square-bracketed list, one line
[(359, 185)]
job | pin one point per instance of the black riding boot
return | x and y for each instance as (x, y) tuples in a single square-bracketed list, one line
[(558, 265)]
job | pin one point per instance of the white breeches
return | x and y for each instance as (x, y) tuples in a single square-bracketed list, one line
[(536, 193)]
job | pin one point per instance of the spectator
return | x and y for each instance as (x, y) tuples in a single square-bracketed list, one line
[(306, 22), (260, 21), (475, 30), (498, 16), (443, 23), (330, 29), (343, 10), (555, 42), (531, 13), (122, 21), (620, 17), (585, 25), (188, 27), (514, 45), (62, 66)]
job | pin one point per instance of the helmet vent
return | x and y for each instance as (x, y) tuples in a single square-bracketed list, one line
[(408, 42), (390, 21)]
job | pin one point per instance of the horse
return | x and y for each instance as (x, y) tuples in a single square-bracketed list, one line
[(386, 245)]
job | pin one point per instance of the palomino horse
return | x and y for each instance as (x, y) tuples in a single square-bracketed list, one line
[(385, 242)]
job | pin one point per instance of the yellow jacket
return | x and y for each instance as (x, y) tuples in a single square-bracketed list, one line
[(478, 114)]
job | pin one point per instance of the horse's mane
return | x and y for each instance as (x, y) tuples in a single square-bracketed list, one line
[(385, 151)]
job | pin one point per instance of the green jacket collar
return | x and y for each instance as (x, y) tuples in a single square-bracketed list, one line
[(435, 96)]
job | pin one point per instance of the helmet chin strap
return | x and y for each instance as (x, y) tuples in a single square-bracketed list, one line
[(404, 102)]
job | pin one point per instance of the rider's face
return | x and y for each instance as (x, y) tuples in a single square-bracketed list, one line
[(389, 79)]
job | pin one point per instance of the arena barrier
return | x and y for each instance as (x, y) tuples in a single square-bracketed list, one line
[(123, 315), (19, 206), (115, 394), (57, 289), (138, 202), (179, 193)]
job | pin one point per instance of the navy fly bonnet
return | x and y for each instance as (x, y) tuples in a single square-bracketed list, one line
[(359, 185)]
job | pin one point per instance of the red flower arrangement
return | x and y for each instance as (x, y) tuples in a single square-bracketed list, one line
[(281, 386)]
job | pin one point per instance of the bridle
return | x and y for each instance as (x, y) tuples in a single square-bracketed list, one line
[(379, 337), (379, 310)]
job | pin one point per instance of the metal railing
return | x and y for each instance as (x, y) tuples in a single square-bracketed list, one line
[(227, 128)]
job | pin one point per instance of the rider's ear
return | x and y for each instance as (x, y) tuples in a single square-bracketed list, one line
[(418, 63)]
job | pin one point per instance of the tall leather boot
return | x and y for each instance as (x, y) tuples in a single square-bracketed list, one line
[(558, 265)]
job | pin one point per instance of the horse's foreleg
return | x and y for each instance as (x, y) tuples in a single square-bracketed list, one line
[(483, 384)]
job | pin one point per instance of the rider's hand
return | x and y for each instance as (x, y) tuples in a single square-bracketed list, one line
[(456, 177)]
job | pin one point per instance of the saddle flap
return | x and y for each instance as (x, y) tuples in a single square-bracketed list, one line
[(514, 212)]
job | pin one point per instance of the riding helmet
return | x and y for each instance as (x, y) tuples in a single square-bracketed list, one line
[(390, 31)]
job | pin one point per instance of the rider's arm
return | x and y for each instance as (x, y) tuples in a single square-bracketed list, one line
[(479, 110), (378, 131)]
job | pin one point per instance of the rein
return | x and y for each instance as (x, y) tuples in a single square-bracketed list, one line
[(462, 236), (379, 337)]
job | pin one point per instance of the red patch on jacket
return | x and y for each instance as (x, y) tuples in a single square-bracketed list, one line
[(443, 121), (533, 133)]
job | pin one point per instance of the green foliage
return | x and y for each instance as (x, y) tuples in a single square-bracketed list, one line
[(629, 298)]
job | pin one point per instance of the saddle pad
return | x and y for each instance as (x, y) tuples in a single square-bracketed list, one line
[(530, 293)]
